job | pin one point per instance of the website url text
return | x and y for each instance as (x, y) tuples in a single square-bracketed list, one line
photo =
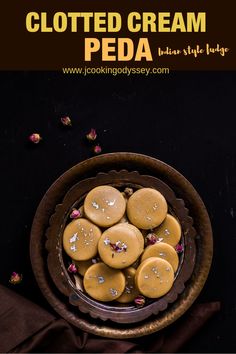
[(87, 70)]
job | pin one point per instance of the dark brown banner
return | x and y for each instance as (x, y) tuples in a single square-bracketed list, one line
[(74, 34)]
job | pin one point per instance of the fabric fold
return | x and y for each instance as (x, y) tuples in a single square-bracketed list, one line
[(26, 328), (17, 319)]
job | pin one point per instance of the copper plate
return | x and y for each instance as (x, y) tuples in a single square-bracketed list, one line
[(58, 261), (145, 165)]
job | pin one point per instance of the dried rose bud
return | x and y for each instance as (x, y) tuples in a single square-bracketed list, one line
[(128, 191), (97, 149), (35, 138), (16, 278), (179, 248), (72, 268), (75, 214), (92, 135), (151, 239), (139, 301), (66, 121)]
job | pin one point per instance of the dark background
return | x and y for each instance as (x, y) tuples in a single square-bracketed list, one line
[(185, 119)]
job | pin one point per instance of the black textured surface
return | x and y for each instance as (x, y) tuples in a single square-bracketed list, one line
[(185, 119)]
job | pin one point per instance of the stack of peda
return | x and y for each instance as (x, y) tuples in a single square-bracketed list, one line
[(124, 243)]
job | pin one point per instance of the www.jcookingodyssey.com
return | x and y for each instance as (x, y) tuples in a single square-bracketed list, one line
[(86, 70)]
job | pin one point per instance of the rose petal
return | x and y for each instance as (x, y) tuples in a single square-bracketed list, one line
[(35, 138), (92, 135), (97, 149), (72, 268), (179, 248), (66, 121), (139, 301), (75, 214), (16, 278)]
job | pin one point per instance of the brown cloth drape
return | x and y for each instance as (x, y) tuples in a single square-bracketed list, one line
[(25, 327)]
